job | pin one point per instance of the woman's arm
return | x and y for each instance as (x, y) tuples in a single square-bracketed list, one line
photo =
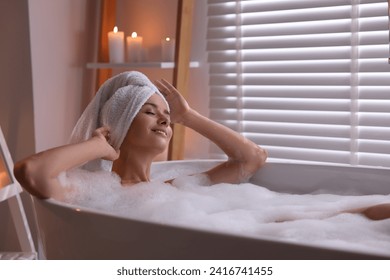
[(245, 157), (38, 173)]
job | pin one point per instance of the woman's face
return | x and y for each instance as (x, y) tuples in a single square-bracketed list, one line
[(151, 128)]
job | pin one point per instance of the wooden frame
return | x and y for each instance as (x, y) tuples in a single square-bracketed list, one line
[(181, 70), (388, 12)]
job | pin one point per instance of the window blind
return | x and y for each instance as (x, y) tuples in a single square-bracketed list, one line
[(307, 80)]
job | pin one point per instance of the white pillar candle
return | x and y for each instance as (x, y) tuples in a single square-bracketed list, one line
[(116, 46), (134, 47), (168, 49)]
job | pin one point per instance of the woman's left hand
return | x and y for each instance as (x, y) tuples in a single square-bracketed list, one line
[(177, 103)]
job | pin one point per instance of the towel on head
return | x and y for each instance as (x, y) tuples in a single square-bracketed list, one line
[(115, 105)]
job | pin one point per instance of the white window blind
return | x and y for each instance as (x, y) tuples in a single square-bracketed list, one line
[(307, 80)]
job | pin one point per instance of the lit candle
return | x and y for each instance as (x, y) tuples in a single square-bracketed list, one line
[(134, 47), (168, 49), (116, 46)]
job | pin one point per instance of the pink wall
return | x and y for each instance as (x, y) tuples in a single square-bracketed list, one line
[(62, 42), (16, 95)]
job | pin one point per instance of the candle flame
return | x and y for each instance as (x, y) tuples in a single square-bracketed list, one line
[(167, 39), (115, 29), (134, 35)]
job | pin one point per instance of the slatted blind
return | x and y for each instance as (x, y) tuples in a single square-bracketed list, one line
[(307, 80)]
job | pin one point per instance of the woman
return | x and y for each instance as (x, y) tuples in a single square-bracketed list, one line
[(127, 125), (104, 132)]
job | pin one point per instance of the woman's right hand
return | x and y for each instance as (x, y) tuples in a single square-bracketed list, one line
[(102, 134)]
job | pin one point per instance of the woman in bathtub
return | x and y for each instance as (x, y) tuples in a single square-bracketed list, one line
[(127, 125)]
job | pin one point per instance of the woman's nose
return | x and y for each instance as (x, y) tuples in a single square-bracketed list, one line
[(163, 120)]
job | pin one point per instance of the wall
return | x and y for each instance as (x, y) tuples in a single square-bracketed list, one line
[(16, 95), (47, 46), (63, 38)]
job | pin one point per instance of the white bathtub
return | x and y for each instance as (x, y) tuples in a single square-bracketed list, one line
[(68, 232)]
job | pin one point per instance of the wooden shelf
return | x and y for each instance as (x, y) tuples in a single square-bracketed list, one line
[(162, 65)]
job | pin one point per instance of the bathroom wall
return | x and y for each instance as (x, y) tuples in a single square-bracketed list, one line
[(16, 94), (63, 39)]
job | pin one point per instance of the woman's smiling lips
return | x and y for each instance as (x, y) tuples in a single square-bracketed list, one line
[(160, 131)]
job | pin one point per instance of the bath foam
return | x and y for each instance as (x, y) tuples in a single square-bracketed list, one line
[(242, 209)]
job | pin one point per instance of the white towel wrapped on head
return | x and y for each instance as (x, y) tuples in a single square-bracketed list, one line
[(115, 105)]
